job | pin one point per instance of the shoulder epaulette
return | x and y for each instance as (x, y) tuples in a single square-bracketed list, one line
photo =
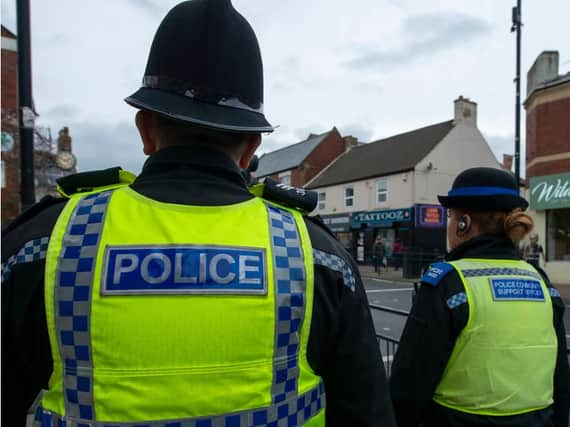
[(92, 180), (436, 272), (292, 197)]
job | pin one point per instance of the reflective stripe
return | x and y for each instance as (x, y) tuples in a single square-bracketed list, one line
[(294, 412), (456, 300), (499, 272), (72, 301), (336, 263), (289, 272), (33, 250), (554, 292)]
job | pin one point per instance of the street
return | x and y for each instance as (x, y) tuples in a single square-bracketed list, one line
[(398, 295)]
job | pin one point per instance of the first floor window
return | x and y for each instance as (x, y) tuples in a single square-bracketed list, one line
[(349, 197), (382, 190), (558, 235), (322, 201)]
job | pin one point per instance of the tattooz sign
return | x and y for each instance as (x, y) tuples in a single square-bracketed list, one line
[(550, 192)]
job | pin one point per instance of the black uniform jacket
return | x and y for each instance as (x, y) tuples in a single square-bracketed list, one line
[(428, 340), (342, 346)]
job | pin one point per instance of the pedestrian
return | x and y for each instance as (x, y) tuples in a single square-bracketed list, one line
[(533, 251), (398, 253), (484, 344), (379, 254), (181, 298)]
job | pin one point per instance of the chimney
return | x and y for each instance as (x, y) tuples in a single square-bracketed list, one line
[(465, 112), (545, 68), (349, 142), (64, 140), (507, 162)]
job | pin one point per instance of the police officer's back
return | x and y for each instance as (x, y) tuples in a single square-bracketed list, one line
[(484, 344), (183, 298)]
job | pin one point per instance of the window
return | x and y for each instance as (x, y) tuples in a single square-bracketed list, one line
[(3, 172), (381, 190), (558, 235), (349, 197), (285, 179), (322, 201)]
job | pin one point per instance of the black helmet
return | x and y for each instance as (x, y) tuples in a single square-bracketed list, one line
[(484, 189), (205, 68)]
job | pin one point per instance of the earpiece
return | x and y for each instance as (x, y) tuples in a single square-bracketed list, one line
[(463, 224)]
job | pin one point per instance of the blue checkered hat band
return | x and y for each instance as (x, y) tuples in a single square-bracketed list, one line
[(294, 412), (73, 287)]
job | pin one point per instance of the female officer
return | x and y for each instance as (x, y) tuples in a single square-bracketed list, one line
[(484, 344)]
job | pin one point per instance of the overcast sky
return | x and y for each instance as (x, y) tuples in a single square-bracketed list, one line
[(372, 68)]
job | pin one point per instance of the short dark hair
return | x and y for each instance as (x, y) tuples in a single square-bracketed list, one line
[(177, 132)]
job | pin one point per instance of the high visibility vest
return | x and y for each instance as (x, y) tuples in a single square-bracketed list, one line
[(503, 361), (172, 315)]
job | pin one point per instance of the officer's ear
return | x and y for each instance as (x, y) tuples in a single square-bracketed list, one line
[(252, 142), (146, 125)]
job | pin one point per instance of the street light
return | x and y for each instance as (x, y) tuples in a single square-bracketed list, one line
[(517, 25)]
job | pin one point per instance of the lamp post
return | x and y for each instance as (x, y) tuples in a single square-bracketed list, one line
[(517, 25), (27, 184)]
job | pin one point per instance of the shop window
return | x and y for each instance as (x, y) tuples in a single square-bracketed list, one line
[(322, 201), (381, 190), (349, 197), (558, 235)]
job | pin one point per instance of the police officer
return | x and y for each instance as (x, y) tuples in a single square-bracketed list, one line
[(181, 298), (484, 344)]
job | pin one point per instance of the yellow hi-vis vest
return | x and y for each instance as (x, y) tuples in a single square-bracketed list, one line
[(503, 360), (179, 316)]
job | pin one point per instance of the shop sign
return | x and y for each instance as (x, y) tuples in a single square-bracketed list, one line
[(381, 218), (430, 216), (550, 192), (337, 223)]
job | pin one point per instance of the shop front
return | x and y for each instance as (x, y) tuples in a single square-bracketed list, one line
[(339, 224), (550, 206), (429, 233), (390, 224)]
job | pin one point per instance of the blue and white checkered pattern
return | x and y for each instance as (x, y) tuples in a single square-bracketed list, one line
[(73, 286), (293, 413), (456, 300), (554, 292), (33, 250), (499, 272), (336, 263), (289, 272)]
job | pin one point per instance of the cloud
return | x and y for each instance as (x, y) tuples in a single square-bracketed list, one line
[(61, 112), (362, 132), (99, 146), (148, 6), (426, 35)]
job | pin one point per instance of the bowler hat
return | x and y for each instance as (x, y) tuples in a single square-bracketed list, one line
[(484, 189), (205, 68)]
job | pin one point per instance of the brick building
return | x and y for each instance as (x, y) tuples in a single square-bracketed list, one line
[(10, 147), (298, 163), (52, 159), (548, 160)]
